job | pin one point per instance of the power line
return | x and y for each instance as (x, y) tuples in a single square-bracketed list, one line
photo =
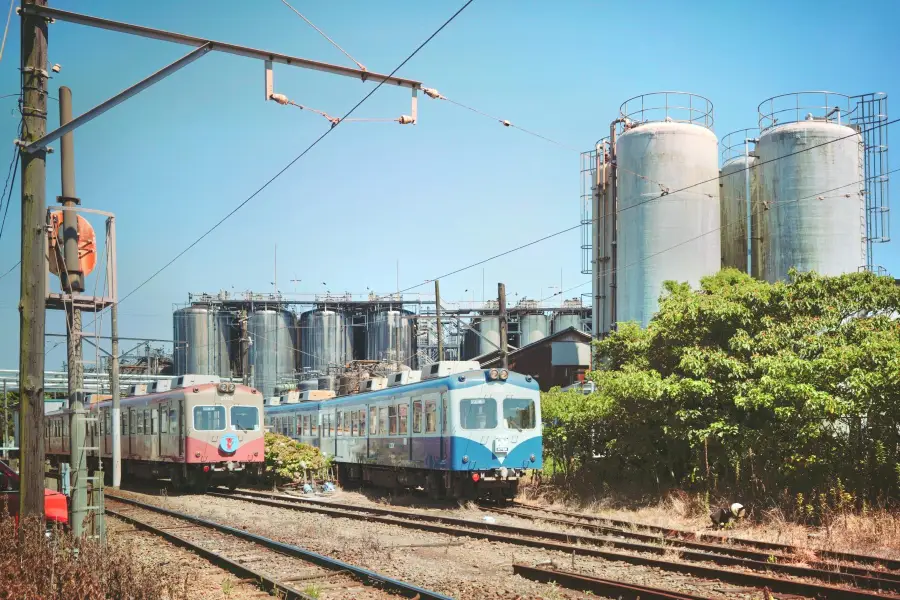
[(11, 183), (11, 269), (322, 33), (292, 162), (6, 29), (665, 192)]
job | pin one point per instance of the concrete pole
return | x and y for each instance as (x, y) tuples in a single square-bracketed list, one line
[(5, 421), (504, 346), (437, 316), (116, 424), (73, 281), (33, 283)]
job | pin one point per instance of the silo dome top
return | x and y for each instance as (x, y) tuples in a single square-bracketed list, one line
[(666, 107), (825, 107)]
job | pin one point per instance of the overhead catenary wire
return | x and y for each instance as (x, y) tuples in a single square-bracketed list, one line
[(291, 163), (12, 3), (322, 33), (10, 183)]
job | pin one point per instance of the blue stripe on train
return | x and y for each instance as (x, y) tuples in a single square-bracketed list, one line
[(480, 457)]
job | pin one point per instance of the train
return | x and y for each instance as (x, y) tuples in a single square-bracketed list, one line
[(198, 434), (461, 432)]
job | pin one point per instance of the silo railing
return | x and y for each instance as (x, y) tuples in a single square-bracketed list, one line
[(733, 143), (672, 107), (804, 106)]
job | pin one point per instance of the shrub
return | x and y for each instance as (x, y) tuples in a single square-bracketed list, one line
[(288, 460)]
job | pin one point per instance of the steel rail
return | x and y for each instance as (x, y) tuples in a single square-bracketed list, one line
[(606, 587), (888, 563), (266, 583), (550, 540), (365, 575), (705, 547)]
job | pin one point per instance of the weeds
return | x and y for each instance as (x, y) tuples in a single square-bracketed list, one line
[(313, 590)]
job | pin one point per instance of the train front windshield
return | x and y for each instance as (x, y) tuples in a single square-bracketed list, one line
[(478, 413), (245, 418)]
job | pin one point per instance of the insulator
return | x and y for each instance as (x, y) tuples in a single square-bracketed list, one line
[(406, 120), (506, 123), (432, 93), (279, 98)]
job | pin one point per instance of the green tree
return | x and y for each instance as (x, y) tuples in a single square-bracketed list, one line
[(767, 388)]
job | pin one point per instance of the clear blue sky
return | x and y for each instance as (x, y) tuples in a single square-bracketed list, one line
[(451, 190)]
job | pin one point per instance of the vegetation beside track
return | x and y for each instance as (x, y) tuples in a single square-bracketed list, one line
[(289, 461)]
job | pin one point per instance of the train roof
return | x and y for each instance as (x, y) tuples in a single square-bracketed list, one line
[(455, 381), (143, 398)]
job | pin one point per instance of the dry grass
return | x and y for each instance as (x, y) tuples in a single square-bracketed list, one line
[(35, 568)]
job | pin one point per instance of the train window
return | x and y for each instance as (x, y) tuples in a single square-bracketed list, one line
[(392, 420), (362, 423), (209, 418), (305, 425), (430, 416), (346, 423), (478, 413), (108, 418), (124, 422), (164, 420), (245, 418), (354, 423), (140, 422), (340, 422), (417, 416), (154, 420), (382, 420), (173, 421), (373, 420), (519, 413), (402, 419)]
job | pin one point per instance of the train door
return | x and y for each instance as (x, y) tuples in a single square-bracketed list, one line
[(180, 425), (154, 433), (444, 426)]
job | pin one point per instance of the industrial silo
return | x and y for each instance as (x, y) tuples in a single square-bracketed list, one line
[(390, 332), (203, 340), (811, 178), (271, 349), (325, 340), (667, 199), (532, 328), (488, 328), (736, 176), (564, 320)]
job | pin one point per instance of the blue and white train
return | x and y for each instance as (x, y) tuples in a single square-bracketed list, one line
[(461, 432)]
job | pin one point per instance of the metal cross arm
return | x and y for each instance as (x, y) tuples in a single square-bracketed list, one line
[(122, 96), (189, 40)]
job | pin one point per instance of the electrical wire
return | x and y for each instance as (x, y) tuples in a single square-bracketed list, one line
[(6, 29), (11, 269), (322, 33), (651, 199), (292, 162), (11, 183)]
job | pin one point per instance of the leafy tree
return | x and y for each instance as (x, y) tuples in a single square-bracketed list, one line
[(766, 388)]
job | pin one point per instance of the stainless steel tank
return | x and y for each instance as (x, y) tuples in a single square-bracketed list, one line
[(489, 330), (563, 321), (390, 332), (533, 328), (811, 178), (666, 144), (739, 158), (271, 349), (325, 340), (203, 341)]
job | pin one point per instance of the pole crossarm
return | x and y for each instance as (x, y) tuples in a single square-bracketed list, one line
[(189, 40), (118, 98)]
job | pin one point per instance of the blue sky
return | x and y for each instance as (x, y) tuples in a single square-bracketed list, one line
[(452, 190)]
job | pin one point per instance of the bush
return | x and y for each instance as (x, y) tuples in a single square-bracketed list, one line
[(290, 461), (35, 568)]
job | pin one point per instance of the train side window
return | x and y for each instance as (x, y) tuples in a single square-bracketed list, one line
[(392, 419), (347, 423), (340, 422), (417, 416), (164, 421), (305, 425), (154, 420), (382, 420), (362, 423), (402, 419), (373, 420), (354, 423), (140, 423), (173, 421), (108, 418), (430, 416)]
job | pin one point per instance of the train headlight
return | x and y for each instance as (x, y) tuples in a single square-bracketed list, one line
[(504, 374), (465, 459), (196, 455), (532, 458), (493, 374), (226, 388)]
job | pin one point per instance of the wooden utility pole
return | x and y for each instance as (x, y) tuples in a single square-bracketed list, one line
[(437, 316), (504, 346), (33, 287)]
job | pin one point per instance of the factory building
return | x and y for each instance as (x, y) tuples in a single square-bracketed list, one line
[(807, 189)]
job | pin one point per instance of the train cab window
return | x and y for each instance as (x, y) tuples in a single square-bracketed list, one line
[(417, 416), (209, 418), (478, 413), (382, 420), (519, 413), (244, 418), (402, 419), (430, 416), (392, 420), (373, 420)]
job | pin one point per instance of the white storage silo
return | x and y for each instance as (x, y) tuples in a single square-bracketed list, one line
[(666, 143), (811, 179), (737, 174)]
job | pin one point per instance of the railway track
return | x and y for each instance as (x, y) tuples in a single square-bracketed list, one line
[(779, 577), (284, 570)]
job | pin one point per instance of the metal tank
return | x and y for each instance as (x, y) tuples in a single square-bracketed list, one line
[(271, 334), (563, 321), (325, 340), (389, 330), (811, 177), (532, 328), (307, 385), (736, 176), (665, 143), (489, 330), (203, 340)]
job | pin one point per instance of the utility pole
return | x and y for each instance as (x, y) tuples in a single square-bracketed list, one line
[(5, 421), (245, 348), (116, 424), (504, 346), (437, 316), (72, 280), (33, 285)]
